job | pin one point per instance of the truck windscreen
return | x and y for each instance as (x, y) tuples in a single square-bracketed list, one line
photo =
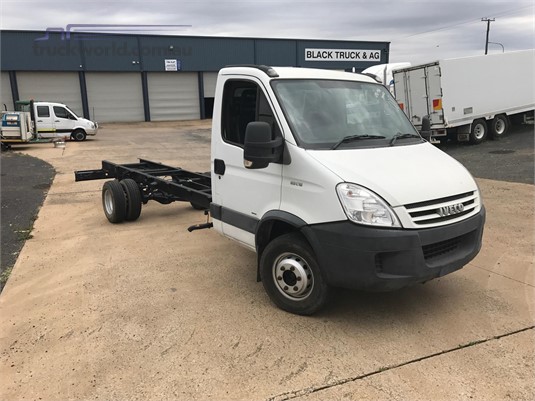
[(327, 114)]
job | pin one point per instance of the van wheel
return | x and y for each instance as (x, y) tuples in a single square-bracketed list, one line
[(478, 132), (78, 135), (291, 276), (499, 126), (133, 199), (114, 201)]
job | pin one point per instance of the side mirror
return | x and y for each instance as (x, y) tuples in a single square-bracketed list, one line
[(259, 149), (425, 131)]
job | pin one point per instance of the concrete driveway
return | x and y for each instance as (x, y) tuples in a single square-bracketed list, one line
[(146, 310)]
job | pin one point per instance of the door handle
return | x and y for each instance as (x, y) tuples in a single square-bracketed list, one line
[(56, 121), (39, 121), (219, 167)]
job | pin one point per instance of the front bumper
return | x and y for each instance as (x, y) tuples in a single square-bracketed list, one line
[(360, 257)]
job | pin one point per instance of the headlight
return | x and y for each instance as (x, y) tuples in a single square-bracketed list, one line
[(92, 125), (364, 207)]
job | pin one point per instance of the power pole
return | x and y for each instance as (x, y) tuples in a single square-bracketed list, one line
[(488, 21)]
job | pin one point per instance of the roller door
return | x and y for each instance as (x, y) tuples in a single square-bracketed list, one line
[(209, 80), (61, 87), (115, 96), (5, 92), (173, 96)]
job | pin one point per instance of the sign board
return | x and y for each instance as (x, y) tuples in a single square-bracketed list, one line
[(172, 65), (342, 55)]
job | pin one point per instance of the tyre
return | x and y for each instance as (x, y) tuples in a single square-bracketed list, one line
[(291, 275), (499, 126), (133, 199), (114, 201), (478, 132), (78, 135)]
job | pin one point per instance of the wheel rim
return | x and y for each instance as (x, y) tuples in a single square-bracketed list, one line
[(479, 131), (293, 277), (108, 202), (499, 126), (79, 136)]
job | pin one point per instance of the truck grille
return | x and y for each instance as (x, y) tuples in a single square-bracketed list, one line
[(443, 211)]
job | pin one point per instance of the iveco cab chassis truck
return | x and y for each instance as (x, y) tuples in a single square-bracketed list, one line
[(323, 176), (469, 98)]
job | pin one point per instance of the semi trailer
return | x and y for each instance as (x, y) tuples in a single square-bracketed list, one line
[(323, 176)]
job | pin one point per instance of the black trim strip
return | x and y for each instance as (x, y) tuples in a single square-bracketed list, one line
[(234, 218)]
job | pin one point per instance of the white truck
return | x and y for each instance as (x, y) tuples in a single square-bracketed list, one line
[(469, 98), (323, 176), (383, 73), (42, 122)]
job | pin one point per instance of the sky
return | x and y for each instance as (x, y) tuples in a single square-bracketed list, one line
[(419, 31)]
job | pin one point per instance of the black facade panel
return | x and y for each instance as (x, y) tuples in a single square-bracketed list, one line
[(276, 52), (109, 52), (39, 51), (76, 51), (195, 54)]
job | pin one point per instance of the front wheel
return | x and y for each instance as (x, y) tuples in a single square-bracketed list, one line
[(478, 132), (78, 135), (291, 275)]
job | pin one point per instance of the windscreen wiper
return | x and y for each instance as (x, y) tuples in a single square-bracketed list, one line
[(402, 136), (351, 138)]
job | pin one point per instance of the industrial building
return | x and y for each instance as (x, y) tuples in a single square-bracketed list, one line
[(122, 78)]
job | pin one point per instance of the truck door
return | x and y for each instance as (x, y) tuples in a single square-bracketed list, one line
[(64, 121), (240, 196), (434, 91), (44, 124), (417, 90)]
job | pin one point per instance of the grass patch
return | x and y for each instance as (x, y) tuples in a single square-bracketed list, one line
[(4, 276)]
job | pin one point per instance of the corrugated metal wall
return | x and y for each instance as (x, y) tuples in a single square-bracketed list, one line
[(173, 96), (5, 92), (115, 96), (61, 87)]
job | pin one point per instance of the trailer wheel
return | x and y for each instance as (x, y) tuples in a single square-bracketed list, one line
[(499, 126), (478, 132), (78, 135), (133, 199), (114, 201), (291, 276)]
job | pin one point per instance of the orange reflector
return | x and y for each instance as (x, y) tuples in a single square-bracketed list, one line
[(437, 104), (401, 106)]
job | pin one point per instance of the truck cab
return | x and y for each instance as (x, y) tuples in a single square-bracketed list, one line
[(322, 175)]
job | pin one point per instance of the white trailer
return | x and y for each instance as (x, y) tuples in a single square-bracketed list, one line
[(469, 98)]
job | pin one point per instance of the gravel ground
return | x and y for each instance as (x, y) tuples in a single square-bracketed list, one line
[(25, 181)]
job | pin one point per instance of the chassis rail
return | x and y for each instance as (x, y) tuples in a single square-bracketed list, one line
[(164, 184)]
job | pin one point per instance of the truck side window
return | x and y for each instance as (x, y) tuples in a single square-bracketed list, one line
[(244, 102), (43, 111), (60, 112)]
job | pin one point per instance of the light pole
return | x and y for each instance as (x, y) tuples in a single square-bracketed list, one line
[(488, 21)]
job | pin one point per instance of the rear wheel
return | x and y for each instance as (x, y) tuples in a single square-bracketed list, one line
[(133, 199), (114, 201), (499, 126), (478, 132), (78, 135), (291, 276)]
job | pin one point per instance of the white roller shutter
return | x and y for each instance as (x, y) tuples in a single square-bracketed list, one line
[(60, 87), (209, 80), (173, 96), (115, 96), (5, 92)]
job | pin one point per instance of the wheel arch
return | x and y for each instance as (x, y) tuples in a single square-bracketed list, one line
[(274, 224)]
